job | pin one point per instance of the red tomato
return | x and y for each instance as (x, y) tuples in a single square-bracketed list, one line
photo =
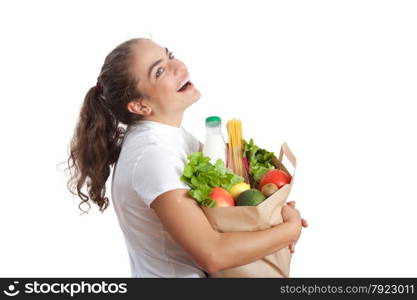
[(277, 177), (222, 197)]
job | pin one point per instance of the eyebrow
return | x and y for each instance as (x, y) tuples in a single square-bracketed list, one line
[(155, 64)]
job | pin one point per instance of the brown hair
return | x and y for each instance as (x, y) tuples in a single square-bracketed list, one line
[(96, 143)]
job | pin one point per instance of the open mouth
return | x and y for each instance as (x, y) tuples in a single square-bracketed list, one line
[(185, 87)]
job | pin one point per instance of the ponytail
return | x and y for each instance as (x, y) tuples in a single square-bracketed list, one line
[(96, 144), (95, 147)]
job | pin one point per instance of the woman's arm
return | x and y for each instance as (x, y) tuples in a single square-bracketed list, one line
[(213, 251)]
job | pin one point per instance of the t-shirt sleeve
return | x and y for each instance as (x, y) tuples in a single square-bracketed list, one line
[(157, 171)]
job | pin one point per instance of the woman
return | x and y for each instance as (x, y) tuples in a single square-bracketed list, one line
[(141, 85)]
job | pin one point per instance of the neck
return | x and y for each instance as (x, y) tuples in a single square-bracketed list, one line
[(171, 120)]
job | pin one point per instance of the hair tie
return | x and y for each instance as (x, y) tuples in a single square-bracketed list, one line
[(99, 87)]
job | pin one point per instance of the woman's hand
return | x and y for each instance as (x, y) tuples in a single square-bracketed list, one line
[(291, 214)]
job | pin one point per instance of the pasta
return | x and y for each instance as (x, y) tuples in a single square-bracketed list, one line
[(235, 148)]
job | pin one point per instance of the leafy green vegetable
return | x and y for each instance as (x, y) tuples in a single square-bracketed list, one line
[(201, 176), (259, 160)]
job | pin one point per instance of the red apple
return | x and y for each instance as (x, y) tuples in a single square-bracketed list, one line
[(277, 177), (222, 197)]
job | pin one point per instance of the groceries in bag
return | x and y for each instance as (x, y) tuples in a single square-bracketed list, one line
[(247, 167), (215, 186), (202, 177)]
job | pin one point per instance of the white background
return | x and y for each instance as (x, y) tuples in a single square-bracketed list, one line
[(335, 79)]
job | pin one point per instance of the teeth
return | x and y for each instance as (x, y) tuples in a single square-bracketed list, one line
[(184, 82)]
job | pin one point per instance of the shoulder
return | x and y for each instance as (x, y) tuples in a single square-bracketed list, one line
[(192, 142), (157, 171), (187, 134), (157, 157)]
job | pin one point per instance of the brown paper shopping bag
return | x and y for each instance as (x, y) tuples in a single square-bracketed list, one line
[(253, 218)]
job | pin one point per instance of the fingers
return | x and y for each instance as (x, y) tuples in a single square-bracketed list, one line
[(304, 222), (291, 203), (292, 247)]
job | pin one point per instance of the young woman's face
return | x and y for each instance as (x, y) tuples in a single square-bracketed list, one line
[(160, 76)]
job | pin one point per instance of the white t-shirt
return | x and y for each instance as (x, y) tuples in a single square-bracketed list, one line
[(151, 162)]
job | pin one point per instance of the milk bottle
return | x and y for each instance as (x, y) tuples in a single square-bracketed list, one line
[(215, 146)]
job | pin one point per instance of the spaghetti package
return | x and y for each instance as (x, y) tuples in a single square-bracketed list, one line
[(235, 158)]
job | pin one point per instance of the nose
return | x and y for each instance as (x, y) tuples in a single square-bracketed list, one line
[(179, 69)]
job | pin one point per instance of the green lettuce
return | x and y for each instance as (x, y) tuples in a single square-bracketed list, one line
[(259, 160), (201, 176)]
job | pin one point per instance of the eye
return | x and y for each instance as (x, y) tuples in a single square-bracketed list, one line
[(170, 56), (157, 74)]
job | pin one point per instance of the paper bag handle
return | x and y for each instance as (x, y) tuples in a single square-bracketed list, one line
[(290, 156)]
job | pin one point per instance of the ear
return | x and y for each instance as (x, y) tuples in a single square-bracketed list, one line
[(139, 107)]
